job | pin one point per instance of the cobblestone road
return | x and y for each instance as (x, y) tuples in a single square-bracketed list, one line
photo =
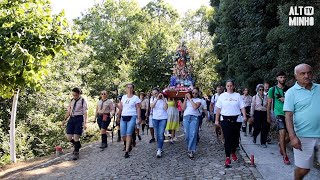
[(143, 164)]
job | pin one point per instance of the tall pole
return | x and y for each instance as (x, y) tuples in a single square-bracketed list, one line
[(13, 126)]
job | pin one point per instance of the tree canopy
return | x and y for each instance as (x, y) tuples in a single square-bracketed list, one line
[(254, 40), (29, 38), (117, 41)]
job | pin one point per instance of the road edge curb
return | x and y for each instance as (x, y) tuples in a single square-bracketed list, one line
[(253, 169)]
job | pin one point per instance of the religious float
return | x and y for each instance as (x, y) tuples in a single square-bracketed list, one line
[(181, 81)]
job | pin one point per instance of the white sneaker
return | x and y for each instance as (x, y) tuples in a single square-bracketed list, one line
[(158, 153)]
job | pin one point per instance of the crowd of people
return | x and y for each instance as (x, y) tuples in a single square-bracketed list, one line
[(294, 110)]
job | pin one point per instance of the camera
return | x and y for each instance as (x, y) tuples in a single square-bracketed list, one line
[(278, 96)]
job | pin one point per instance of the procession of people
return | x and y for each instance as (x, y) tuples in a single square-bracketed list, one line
[(294, 110)]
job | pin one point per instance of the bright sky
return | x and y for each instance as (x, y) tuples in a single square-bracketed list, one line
[(74, 7)]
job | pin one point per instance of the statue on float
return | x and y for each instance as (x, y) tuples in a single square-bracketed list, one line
[(181, 81)]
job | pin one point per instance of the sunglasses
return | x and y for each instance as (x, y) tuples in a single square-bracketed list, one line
[(194, 93), (261, 89)]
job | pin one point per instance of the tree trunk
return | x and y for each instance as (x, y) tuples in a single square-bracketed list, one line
[(13, 126)]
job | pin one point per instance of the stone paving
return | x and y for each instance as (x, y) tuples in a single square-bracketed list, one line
[(143, 164)]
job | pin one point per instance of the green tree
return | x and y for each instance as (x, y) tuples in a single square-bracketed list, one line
[(196, 24), (40, 113), (29, 38), (160, 35), (295, 45), (254, 41), (113, 32)]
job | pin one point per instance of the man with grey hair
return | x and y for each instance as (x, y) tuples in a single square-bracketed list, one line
[(303, 119)]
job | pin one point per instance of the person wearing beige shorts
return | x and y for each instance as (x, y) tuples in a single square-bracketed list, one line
[(301, 108), (310, 148)]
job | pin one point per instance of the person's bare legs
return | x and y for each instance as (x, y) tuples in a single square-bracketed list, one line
[(282, 136), (299, 173), (128, 143), (152, 133), (173, 134), (138, 133), (73, 137), (283, 140), (69, 137)]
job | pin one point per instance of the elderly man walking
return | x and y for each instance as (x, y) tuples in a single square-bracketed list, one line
[(303, 119)]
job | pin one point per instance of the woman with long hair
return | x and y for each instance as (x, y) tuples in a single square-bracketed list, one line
[(159, 117), (190, 105), (129, 110), (228, 110)]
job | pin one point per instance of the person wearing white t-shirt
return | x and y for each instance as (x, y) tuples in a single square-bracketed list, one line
[(228, 117), (129, 109), (203, 112), (154, 95), (159, 107), (213, 110), (191, 113)]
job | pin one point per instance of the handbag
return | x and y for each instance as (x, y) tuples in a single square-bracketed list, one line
[(105, 116), (230, 118), (126, 118)]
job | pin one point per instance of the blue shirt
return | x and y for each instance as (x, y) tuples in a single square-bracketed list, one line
[(305, 105)]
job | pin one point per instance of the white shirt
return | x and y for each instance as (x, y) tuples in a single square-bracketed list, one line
[(158, 112), (214, 100), (203, 106), (230, 104), (129, 105), (190, 110)]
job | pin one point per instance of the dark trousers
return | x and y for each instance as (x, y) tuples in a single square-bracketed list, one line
[(201, 117), (244, 128), (231, 133), (261, 125)]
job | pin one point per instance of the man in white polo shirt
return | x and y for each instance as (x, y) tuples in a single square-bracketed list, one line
[(303, 119)]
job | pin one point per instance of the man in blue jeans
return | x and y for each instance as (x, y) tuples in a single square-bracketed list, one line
[(303, 120)]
